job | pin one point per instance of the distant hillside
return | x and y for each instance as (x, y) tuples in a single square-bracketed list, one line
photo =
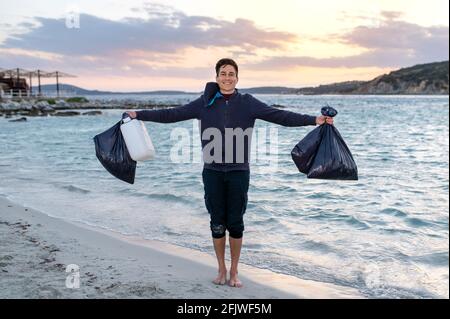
[(334, 88), (269, 90), (75, 90), (430, 78)]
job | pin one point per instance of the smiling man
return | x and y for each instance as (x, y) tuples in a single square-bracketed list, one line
[(226, 172)]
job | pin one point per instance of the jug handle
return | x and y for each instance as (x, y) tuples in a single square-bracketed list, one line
[(125, 115)]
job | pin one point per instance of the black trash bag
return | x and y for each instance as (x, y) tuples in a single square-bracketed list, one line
[(305, 151), (113, 154), (323, 154)]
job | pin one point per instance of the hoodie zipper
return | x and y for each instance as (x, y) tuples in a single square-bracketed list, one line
[(226, 114)]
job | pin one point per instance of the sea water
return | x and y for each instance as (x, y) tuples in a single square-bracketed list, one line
[(385, 234)]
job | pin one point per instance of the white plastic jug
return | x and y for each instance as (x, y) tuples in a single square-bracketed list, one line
[(136, 138)]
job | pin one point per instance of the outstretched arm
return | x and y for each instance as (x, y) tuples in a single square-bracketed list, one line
[(271, 114), (176, 114)]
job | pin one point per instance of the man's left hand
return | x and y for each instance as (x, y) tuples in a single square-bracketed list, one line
[(324, 119)]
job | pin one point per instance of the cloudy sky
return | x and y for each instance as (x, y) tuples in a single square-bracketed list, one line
[(150, 45)]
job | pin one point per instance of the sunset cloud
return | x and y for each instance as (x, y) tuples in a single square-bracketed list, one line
[(159, 33), (393, 43)]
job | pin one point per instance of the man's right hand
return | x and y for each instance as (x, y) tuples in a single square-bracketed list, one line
[(132, 114)]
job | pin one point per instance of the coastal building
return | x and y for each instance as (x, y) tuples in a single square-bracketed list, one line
[(13, 82)]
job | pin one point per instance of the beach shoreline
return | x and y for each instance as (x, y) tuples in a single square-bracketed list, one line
[(36, 250)]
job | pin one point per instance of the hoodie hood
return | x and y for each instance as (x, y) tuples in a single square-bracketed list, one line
[(211, 92), (211, 89)]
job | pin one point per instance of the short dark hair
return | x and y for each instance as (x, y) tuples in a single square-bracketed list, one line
[(225, 61)]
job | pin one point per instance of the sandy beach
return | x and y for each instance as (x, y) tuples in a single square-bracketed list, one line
[(35, 250)]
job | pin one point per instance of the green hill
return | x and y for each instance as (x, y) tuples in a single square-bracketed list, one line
[(430, 78)]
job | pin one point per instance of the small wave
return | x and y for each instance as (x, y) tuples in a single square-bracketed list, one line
[(26, 178), (409, 150), (394, 212), (277, 188), (348, 219), (316, 246), (172, 233), (268, 221), (353, 221), (72, 188), (396, 231), (254, 246), (321, 195), (391, 291), (439, 259), (417, 222), (165, 197)]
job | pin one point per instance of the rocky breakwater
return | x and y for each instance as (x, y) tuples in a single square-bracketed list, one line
[(19, 110)]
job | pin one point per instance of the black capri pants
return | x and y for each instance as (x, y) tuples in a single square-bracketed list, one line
[(226, 201)]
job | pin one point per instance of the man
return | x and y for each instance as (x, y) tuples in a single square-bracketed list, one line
[(226, 174)]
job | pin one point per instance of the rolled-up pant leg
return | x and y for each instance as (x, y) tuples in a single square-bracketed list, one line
[(215, 201), (237, 183)]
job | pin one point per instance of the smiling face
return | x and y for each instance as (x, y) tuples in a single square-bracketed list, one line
[(227, 79)]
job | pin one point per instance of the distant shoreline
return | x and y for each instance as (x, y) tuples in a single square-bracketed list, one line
[(421, 79), (52, 94)]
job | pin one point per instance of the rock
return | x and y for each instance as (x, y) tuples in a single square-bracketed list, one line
[(10, 106), (22, 119), (26, 106), (68, 113), (92, 113), (62, 104), (48, 109), (42, 104), (33, 112)]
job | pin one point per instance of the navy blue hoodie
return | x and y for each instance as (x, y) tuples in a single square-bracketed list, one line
[(216, 114)]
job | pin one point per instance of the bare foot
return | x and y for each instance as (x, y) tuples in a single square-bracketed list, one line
[(221, 278), (234, 281)]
